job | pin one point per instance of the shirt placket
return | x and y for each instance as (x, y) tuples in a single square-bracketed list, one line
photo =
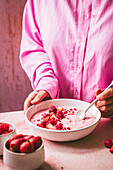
[(81, 45)]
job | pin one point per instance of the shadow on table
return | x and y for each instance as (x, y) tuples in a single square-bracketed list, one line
[(45, 166), (92, 142)]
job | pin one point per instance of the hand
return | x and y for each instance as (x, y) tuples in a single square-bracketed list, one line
[(105, 102), (35, 97)]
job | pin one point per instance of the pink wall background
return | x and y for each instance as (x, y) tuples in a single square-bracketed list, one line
[(14, 84)]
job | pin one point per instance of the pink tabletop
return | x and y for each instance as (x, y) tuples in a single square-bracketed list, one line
[(88, 153)]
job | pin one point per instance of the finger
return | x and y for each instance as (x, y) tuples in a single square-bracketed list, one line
[(106, 108), (27, 102), (40, 96), (105, 94), (106, 102)]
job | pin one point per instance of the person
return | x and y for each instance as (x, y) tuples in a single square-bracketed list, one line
[(67, 51)]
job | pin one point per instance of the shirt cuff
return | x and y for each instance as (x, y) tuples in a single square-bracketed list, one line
[(51, 86)]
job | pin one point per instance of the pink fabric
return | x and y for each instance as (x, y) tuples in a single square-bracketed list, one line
[(67, 46)]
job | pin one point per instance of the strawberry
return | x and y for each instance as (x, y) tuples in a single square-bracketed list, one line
[(46, 119), (27, 137), (36, 141), (15, 144), (6, 132), (26, 147), (0, 132), (50, 126), (10, 130), (111, 149), (16, 136), (4, 127), (46, 115)]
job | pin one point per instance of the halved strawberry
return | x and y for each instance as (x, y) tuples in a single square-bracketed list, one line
[(16, 136), (4, 127), (27, 137), (59, 126), (36, 141), (15, 144), (50, 126), (43, 124), (26, 147), (111, 149)]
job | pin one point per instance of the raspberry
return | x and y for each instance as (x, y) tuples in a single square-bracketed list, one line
[(59, 126), (53, 109), (53, 122), (108, 143), (60, 114), (43, 124)]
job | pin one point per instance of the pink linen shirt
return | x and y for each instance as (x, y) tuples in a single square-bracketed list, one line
[(67, 46)]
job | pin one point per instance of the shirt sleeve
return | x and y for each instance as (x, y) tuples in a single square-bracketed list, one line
[(33, 57)]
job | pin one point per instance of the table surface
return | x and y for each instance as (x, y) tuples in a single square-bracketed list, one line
[(88, 153)]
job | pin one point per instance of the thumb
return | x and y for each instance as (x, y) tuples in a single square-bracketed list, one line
[(40, 96)]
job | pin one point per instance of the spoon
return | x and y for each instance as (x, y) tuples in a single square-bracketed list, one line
[(81, 113)]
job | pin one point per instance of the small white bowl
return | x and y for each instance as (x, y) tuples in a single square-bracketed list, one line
[(24, 161), (4, 137), (61, 135)]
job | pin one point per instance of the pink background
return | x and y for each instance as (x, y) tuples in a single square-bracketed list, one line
[(14, 84)]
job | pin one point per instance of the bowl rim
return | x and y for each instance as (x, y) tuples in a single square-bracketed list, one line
[(20, 154), (14, 128), (61, 131)]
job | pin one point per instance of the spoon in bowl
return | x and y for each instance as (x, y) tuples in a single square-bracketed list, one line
[(81, 113)]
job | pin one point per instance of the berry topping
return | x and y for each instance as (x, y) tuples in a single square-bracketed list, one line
[(53, 109), (50, 126), (60, 114), (43, 124), (53, 122), (68, 128), (59, 126)]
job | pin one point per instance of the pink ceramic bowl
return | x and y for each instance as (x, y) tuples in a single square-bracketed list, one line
[(61, 135)]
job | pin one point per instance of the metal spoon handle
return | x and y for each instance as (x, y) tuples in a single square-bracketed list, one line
[(97, 99)]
